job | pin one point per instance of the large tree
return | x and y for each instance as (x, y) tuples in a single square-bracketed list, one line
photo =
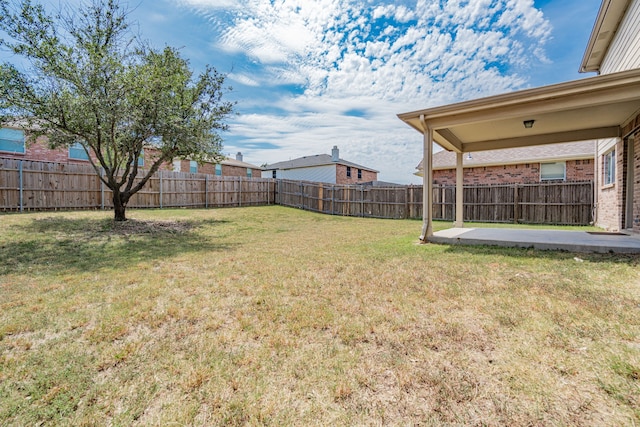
[(83, 77)]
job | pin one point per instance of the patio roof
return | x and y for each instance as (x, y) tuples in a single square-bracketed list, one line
[(591, 108)]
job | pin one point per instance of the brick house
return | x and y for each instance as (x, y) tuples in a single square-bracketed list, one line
[(571, 161), (321, 168), (227, 167), (604, 107), (12, 145), (614, 47)]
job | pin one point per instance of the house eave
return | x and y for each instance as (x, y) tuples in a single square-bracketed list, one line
[(589, 108), (609, 16)]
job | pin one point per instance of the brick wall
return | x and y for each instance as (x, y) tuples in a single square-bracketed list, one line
[(576, 170), (610, 201), (40, 151), (341, 175), (227, 170)]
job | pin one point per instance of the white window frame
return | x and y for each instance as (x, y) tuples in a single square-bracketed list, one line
[(193, 166), (218, 169), (19, 143), (609, 168), (249, 173), (553, 177)]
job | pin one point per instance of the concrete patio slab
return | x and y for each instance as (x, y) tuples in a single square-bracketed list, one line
[(572, 241)]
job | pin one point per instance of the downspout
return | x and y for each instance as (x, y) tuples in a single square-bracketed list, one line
[(427, 182), (596, 183)]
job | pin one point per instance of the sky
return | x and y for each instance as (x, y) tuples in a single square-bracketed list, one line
[(311, 74)]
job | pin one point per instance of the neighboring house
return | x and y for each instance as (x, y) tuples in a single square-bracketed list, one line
[(12, 145), (321, 168), (227, 167), (571, 161), (614, 46)]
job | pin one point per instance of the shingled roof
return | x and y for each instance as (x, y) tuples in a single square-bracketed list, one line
[(509, 156), (238, 163), (311, 161)]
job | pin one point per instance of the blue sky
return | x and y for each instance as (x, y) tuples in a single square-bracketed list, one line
[(311, 74)]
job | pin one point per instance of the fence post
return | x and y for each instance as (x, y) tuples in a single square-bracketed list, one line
[(362, 201), (206, 191), (21, 185), (443, 206), (160, 178), (101, 189), (239, 191), (406, 202), (302, 205), (516, 204)]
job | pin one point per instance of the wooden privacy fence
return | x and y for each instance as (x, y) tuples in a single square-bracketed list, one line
[(27, 185), (352, 200), (566, 203)]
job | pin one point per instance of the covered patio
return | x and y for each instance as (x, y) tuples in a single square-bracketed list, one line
[(588, 109), (571, 241)]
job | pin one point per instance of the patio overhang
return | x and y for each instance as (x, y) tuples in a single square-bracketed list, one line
[(592, 108)]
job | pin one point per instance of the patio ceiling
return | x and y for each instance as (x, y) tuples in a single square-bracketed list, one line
[(591, 108)]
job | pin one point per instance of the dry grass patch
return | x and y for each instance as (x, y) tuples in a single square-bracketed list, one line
[(273, 316)]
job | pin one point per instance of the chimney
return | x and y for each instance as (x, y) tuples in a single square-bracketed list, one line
[(239, 156), (335, 154)]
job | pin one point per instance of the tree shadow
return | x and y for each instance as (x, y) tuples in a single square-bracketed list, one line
[(68, 245)]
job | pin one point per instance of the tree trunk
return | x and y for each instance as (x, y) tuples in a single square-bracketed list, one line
[(119, 207)]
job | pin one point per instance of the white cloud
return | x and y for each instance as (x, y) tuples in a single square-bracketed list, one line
[(383, 59)]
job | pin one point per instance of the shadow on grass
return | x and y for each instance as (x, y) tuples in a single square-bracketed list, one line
[(531, 253), (80, 245)]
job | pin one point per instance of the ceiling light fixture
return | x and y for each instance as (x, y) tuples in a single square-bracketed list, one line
[(528, 123)]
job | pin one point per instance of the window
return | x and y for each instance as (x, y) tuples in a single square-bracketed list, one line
[(176, 165), (609, 168), (249, 173), (553, 171), (141, 159), (76, 152), (12, 140), (359, 173), (348, 171), (218, 169), (193, 166), (274, 175)]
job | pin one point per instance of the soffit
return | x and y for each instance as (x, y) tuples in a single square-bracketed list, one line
[(590, 108), (609, 17)]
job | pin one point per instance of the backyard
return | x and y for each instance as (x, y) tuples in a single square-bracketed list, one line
[(277, 316)]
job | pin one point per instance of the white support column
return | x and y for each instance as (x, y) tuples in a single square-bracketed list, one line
[(459, 192), (427, 182)]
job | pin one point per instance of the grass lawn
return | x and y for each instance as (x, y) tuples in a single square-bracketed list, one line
[(275, 316)]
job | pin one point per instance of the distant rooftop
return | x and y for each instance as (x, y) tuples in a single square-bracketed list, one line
[(509, 156), (311, 161)]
